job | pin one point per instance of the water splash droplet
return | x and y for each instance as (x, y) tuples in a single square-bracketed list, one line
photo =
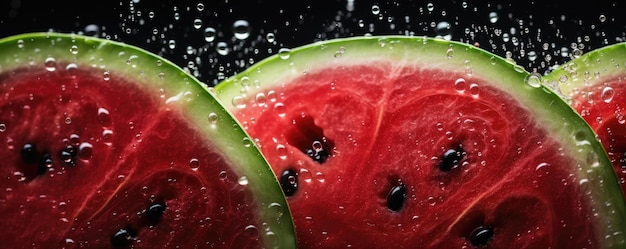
[(270, 37), (200, 6), (104, 116), (375, 9), (239, 102), (209, 34), (222, 48), (241, 29), (282, 151)]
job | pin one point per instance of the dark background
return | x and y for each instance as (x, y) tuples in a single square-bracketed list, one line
[(536, 34)]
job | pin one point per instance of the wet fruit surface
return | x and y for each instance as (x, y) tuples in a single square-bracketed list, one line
[(98, 158), (607, 116), (427, 156), (594, 86), (115, 189)]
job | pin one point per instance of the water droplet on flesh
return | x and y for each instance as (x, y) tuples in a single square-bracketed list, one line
[(222, 48), (280, 109), (493, 17), (85, 151), (459, 84), (607, 94), (282, 151), (197, 23), (194, 164)]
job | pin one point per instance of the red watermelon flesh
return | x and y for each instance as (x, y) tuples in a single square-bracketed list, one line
[(103, 147), (595, 84), (405, 142)]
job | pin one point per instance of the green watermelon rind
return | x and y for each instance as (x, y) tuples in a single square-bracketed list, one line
[(590, 68), (157, 75), (550, 111)]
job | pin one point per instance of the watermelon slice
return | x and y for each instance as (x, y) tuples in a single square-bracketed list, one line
[(595, 85), (405, 142), (105, 145)]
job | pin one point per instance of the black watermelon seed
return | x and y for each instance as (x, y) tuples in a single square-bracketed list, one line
[(396, 198), (451, 159), (29, 153), (320, 155), (289, 182), (123, 237), (155, 211), (481, 236), (622, 160)]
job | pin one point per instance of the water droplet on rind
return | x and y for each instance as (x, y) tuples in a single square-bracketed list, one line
[(194, 164), (85, 151), (212, 118), (284, 53), (243, 181), (50, 64), (239, 102), (533, 80), (74, 49)]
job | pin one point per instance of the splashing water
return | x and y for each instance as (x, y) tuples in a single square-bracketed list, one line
[(228, 37)]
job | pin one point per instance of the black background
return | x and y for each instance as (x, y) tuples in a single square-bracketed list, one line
[(555, 31)]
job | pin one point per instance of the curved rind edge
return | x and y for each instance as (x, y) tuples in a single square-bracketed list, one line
[(590, 68), (555, 115), (158, 75)]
